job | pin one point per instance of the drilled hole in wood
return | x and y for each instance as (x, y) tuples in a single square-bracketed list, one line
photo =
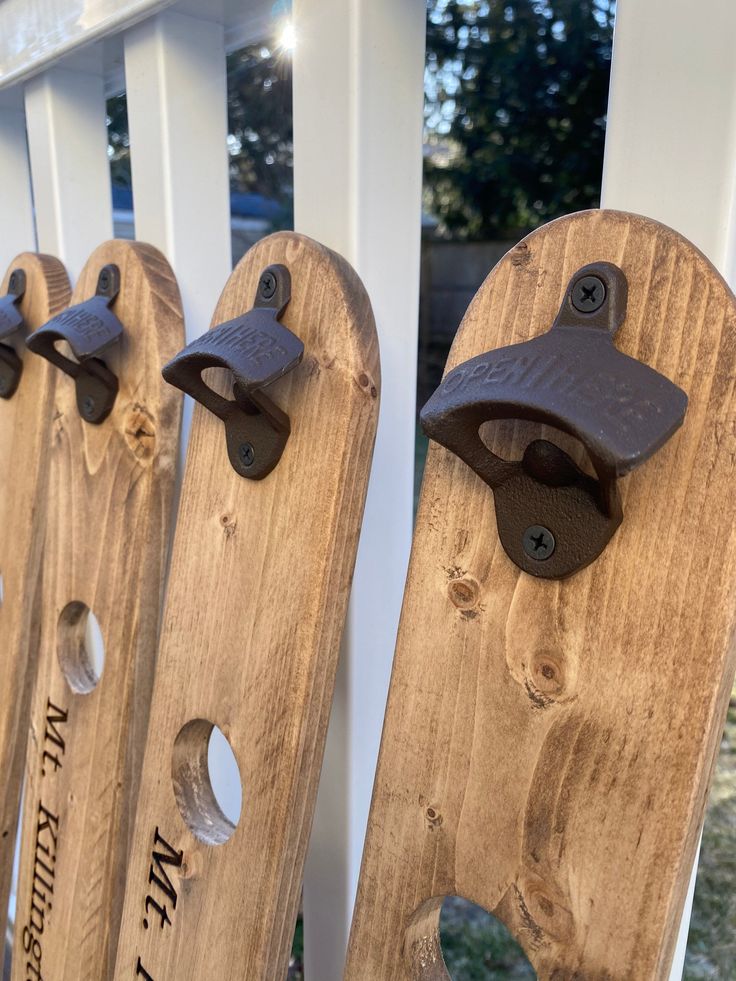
[(477, 945), (207, 782), (81, 647), (452, 939)]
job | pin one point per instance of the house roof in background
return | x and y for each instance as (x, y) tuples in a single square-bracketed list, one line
[(241, 205), (254, 206)]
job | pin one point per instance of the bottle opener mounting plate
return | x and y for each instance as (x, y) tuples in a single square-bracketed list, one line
[(553, 518)]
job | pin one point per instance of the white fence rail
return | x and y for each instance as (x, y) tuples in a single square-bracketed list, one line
[(358, 70)]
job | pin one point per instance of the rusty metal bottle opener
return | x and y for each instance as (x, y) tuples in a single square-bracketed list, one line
[(554, 519), (258, 350), (89, 328), (11, 366)]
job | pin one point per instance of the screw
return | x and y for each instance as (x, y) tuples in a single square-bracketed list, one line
[(588, 294), (267, 285), (103, 280), (246, 454), (538, 542), (89, 407), (13, 282)]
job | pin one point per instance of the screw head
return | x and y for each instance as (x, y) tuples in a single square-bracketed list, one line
[(13, 282), (89, 407), (267, 285), (539, 542), (246, 454), (103, 280), (588, 294)]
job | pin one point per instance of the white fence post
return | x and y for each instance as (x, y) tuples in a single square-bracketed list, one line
[(16, 205), (671, 143), (671, 136), (358, 99), (177, 117), (67, 141)]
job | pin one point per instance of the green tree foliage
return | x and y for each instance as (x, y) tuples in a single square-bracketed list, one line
[(260, 142), (118, 140), (516, 95), (515, 111), (260, 121)]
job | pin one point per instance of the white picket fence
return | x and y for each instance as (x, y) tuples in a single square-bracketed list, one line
[(358, 91)]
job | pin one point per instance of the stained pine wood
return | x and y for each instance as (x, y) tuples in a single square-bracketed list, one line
[(24, 428), (110, 497), (255, 609), (548, 745)]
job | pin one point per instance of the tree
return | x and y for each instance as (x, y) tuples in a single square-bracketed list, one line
[(260, 141), (516, 94), (118, 140), (515, 111), (260, 121)]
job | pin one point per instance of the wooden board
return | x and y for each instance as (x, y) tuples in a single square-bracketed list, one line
[(548, 745), (110, 498), (24, 427), (255, 609)]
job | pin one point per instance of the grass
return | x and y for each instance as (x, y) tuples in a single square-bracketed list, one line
[(296, 964), (477, 947)]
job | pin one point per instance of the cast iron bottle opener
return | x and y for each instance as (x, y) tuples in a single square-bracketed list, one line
[(89, 328), (11, 366), (554, 519), (258, 350)]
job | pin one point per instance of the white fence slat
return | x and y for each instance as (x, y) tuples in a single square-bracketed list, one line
[(177, 117), (67, 142), (16, 205), (671, 136), (678, 960), (671, 144), (358, 98)]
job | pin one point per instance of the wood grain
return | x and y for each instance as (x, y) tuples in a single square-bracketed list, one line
[(548, 745), (255, 609), (24, 428), (110, 497)]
